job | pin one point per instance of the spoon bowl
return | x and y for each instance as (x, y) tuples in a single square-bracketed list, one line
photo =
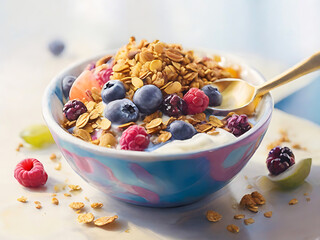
[(241, 97)]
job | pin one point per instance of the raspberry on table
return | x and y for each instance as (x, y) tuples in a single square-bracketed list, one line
[(280, 159), (73, 109), (174, 106), (196, 100), (134, 138), (30, 173), (238, 124)]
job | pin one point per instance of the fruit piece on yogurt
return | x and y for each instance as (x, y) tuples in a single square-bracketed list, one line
[(83, 85), (37, 135), (294, 175)]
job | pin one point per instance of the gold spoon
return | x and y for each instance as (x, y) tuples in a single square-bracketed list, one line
[(241, 97)]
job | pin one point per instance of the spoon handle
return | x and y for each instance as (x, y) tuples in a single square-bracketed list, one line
[(309, 65)]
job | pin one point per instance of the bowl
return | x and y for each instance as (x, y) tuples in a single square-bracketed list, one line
[(150, 179)]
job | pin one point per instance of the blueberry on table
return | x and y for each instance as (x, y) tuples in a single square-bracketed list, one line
[(56, 47), (121, 111), (148, 98), (67, 82), (112, 90), (181, 130), (174, 106), (215, 97), (280, 159)]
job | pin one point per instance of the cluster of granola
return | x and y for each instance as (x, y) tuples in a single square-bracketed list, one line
[(166, 66)]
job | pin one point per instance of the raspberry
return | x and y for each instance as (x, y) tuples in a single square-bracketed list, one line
[(238, 125), (103, 75), (134, 138), (30, 173), (196, 100), (73, 109), (174, 106), (280, 159)]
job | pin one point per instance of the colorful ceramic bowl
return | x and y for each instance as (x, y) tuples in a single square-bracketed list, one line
[(146, 178)]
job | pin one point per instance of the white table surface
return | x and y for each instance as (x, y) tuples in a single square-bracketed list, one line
[(26, 67)]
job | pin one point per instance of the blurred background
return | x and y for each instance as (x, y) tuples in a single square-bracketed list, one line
[(271, 35)]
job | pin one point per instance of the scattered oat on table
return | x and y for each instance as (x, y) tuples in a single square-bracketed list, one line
[(96, 205), (55, 201), (58, 167), (248, 221), (252, 201), (85, 218), (67, 194), (22, 199), (233, 228), (249, 186), (38, 205), (306, 194), (74, 187), (105, 220), (86, 198), (19, 147), (53, 156), (308, 199), (213, 216), (76, 205), (293, 201), (239, 216), (268, 214), (53, 194)]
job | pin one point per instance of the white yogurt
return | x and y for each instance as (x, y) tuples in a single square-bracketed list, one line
[(198, 142)]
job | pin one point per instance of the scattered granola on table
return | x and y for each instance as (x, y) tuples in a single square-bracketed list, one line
[(105, 220), (22, 199), (233, 228), (248, 221), (213, 216), (252, 201), (293, 201), (268, 214)]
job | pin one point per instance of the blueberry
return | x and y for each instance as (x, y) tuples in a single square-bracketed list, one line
[(121, 111), (56, 47), (148, 99), (112, 90), (215, 97), (181, 130), (66, 83)]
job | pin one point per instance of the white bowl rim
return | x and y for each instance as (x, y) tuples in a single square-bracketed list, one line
[(125, 154)]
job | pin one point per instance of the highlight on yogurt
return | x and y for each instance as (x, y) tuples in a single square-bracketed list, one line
[(150, 96)]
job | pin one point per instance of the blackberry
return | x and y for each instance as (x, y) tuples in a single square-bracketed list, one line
[(73, 109), (280, 159), (174, 106), (238, 125)]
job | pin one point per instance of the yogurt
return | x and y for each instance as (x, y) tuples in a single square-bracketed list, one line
[(200, 141)]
